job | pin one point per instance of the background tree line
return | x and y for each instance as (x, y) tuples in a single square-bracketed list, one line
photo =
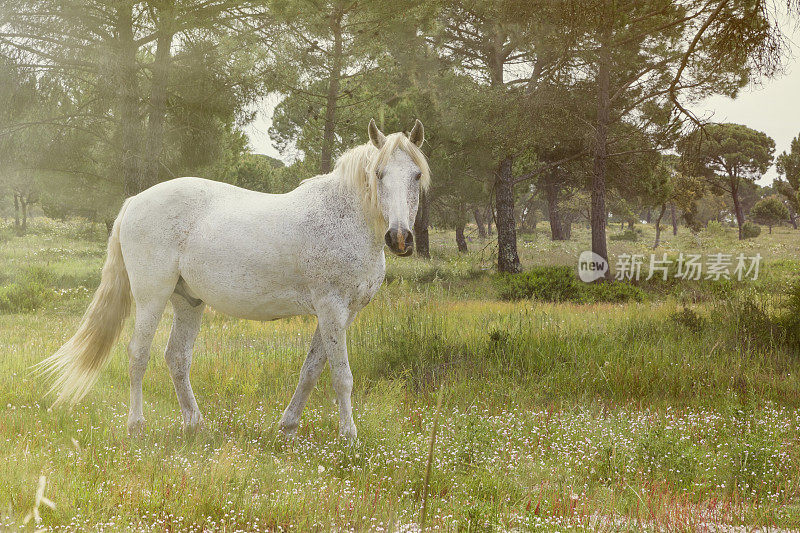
[(565, 111)]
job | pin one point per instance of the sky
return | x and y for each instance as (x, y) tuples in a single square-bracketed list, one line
[(773, 106), (258, 130)]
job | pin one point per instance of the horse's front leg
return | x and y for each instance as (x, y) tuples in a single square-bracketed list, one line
[(333, 321), (312, 368)]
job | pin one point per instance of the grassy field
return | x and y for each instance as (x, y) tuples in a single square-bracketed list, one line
[(676, 413)]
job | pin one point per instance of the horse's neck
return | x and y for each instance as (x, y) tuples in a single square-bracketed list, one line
[(350, 209)]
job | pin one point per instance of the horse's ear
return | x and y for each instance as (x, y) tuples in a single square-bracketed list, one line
[(417, 135), (378, 139)]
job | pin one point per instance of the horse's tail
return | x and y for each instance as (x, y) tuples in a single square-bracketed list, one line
[(74, 368)]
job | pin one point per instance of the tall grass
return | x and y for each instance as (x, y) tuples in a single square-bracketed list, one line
[(668, 413)]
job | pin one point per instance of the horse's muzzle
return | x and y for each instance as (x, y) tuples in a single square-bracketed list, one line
[(400, 241)]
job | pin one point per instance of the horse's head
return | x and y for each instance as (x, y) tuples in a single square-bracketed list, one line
[(400, 175)]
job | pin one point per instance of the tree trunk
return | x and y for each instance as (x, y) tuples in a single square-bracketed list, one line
[(421, 237), (658, 226), (551, 189), (16, 210), (127, 100), (507, 258), (460, 240), (329, 131), (673, 213), (737, 204), (479, 222), (599, 216), (148, 173), (24, 204)]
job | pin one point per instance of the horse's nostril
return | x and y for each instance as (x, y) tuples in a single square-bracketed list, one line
[(401, 241)]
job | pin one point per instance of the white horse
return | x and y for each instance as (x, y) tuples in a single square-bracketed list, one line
[(317, 250)]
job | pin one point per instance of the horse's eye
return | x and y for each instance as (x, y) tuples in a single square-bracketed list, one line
[(418, 176), (378, 174)]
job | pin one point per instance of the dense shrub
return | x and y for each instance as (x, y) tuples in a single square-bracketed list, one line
[(761, 323), (552, 284), (560, 284), (31, 290), (615, 291), (690, 290), (689, 319), (790, 317), (627, 235), (715, 228), (750, 230), (752, 323)]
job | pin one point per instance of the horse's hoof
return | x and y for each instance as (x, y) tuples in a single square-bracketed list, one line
[(136, 427), (349, 433), (193, 423), (288, 429)]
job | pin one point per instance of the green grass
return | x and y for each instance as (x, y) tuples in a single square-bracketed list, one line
[(596, 416)]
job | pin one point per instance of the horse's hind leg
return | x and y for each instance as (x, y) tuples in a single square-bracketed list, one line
[(148, 314), (312, 368), (178, 355)]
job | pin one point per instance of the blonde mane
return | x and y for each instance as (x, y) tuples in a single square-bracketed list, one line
[(358, 168)]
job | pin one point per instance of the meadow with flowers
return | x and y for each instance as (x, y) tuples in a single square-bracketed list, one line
[(675, 412)]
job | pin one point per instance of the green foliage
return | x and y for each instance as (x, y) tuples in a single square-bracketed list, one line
[(551, 284), (31, 291), (560, 284), (788, 164), (729, 150), (731, 157), (258, 172), (338, 68), (750, 230), (714, 228), (612, 292), (756, 322), (770, 211), (629, 235), (689, 319), (790, 318), (753, 324)]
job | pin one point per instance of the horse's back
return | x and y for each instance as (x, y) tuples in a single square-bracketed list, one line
[(189, 193), (169, 211), (236, 249)]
